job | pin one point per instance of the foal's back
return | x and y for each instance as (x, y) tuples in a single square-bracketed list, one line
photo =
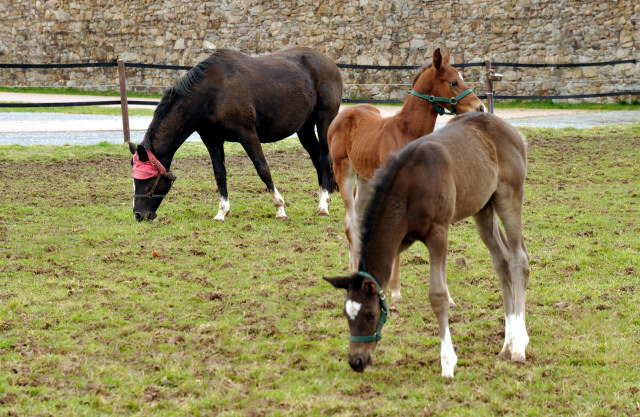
[(456, 170)]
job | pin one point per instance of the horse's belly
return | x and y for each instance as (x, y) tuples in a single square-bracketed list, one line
[(272, 130), (470, 201), (276, 133)]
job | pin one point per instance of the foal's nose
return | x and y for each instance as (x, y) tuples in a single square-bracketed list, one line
[(359, 361), (357, 364), (481, 108)]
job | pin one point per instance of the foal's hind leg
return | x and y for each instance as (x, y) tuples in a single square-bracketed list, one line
[(510, 260), (511, 217), (491, 235), (345, 176)]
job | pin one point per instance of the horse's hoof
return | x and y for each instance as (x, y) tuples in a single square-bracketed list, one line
[(323, 213), (517, 357), (504, 354), (283, 218), (447, 374)]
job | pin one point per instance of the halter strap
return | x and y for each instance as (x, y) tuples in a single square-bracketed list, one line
[(441, 110), (151, 194), (383, 314), (157, 164)]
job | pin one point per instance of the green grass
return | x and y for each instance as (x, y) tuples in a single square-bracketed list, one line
[(233, 318)]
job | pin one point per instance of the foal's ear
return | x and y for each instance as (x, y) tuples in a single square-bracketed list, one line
[(437, 59), (441, 59), (446, 57), (132, 147), (369, 287), (340, 282)]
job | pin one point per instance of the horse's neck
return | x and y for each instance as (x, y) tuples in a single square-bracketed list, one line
[(381, 244), (165, 141), (417, 117)]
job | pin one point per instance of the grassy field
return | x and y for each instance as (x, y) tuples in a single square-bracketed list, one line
[(234, 318)]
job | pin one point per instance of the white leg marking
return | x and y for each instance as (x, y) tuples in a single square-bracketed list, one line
[(278, 201), (352, 308), (516, 338), (223, 209), (508, 335), (325, 200), (448, 357), (520, 338)]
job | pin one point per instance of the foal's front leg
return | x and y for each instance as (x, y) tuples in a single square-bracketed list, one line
[(439, 296)]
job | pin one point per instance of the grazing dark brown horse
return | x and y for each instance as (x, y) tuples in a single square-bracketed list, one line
[(474, 166), (360, 139), (250, 100)]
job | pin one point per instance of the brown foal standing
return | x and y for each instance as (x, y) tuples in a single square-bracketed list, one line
[(474, 166)]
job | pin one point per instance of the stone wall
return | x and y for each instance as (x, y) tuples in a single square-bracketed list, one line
[(391, 32)]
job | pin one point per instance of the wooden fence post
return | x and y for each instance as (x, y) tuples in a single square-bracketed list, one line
[(123, 101)]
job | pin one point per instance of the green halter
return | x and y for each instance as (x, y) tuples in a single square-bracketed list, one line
[(441, 110), (383, 315)]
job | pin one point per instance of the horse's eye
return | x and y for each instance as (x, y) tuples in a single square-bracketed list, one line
[(369, 316), (454, 84)]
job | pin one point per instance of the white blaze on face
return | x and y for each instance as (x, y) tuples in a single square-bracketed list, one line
[(461, 77), (352, 308)]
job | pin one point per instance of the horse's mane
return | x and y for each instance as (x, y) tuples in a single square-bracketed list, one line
[(378, 186), (415, 78), (186, 84)]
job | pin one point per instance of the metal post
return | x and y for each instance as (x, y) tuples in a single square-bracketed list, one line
[(123, 101), (487, 64)]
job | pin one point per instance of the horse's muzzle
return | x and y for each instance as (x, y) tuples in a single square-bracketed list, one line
[(140, 216), (360, 361)]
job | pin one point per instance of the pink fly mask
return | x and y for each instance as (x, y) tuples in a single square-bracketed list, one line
[(149, 169)]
